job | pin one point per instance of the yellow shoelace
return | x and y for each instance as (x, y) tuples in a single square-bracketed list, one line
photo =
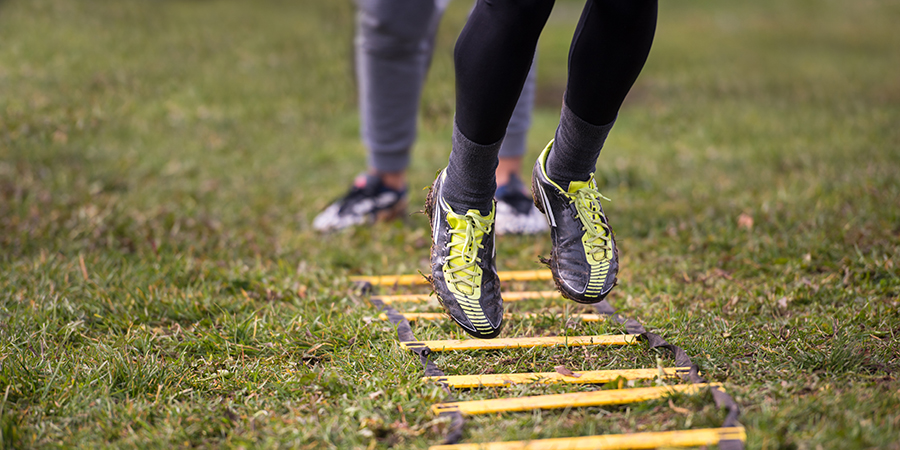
[(599, 240), (465, 242)]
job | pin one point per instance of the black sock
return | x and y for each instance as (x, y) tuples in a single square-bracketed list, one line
[(576, 147), (471, 179)]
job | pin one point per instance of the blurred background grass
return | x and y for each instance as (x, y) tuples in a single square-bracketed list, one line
[(161, 162)]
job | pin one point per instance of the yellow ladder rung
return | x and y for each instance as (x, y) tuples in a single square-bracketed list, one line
[(494, 344), (412, 317), (570, 400), (585, 377), (507, 297), (410, 280), (634, 441)]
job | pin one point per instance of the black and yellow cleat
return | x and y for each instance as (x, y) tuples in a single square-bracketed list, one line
[(463, 273), (584, 259)]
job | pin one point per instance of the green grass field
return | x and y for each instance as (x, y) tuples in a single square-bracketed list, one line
[(160, 283)]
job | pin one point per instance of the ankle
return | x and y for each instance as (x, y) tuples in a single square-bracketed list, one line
[(507, 168), (393, 180)]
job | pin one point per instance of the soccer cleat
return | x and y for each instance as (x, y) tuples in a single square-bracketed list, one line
[(367, 201), (516, 213), (584, 259), (463, 273)]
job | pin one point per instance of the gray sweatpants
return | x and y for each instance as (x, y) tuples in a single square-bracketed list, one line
[(394, 44)]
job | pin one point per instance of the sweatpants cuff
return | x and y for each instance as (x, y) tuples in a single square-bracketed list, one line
[(389, 161)]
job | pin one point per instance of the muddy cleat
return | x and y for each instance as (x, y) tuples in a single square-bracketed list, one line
[(584, 259), (463, 273), (516, 213), (367, 201)]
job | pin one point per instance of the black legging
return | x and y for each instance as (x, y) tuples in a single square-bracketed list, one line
[(496, 48)]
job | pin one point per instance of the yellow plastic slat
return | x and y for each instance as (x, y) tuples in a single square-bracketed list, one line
[(570, 400), (493, 344), (417, 279), (634, 441), (585, 377), (525, 275), (391, 280), (404, 298), (507, 297), (412, 317)]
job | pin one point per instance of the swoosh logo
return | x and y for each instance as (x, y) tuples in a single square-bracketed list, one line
[(439, 210), (547, 209), (434, 225)]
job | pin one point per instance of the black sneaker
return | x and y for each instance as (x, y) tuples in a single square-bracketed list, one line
[(584, 259), (367, 201), (516, 213), (463, 273)]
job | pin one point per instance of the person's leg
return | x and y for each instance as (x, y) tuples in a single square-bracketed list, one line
[(507, 168), (609, 49), (493, 54), (394, 45), (514, 146), (516, 213)]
